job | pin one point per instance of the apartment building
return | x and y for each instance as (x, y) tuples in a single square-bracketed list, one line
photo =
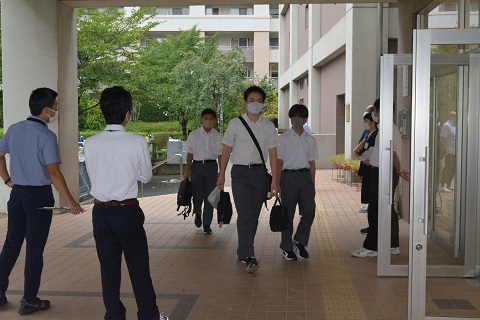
[(254, 28)]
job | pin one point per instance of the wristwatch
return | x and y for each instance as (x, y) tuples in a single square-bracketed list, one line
[(8, 180)]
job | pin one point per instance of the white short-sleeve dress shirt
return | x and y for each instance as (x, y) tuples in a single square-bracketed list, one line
[(244, 150), (296, 151), (449, 132), (115, 161), (204, 145)]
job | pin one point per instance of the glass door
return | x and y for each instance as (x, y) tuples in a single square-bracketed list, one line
[(446, 207), (444, 165)]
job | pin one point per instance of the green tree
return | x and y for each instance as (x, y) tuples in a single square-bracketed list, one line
[(184, 74), (108, 45)]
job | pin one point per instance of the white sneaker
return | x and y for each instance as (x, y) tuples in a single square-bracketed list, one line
[(363, 253), (162, 317), (363, 209), (395, 251), (445, 190)]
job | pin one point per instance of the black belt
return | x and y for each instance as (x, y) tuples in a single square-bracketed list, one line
[(251, 165), (297, 170), (205, 161), (115, 203)]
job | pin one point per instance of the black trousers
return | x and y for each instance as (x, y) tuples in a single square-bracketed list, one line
[(298, 188), (25, 221), (117, 230), (248, 188), (365, 190), (371, 240), (448, 170), (204, 180)]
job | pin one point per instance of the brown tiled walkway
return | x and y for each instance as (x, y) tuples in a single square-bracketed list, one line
[(196, 276)]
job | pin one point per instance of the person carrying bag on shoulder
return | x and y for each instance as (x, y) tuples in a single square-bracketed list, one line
[(248, 171)]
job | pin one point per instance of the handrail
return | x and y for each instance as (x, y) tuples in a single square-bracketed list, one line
[(158, 164)]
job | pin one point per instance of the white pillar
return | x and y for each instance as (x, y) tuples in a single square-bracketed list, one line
[(261, 53), (293, 98), (30, 44), (314, 79), (68, 97), (282, 67), (360, 70)]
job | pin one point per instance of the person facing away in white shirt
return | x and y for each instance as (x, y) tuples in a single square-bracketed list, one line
[(115, 161)]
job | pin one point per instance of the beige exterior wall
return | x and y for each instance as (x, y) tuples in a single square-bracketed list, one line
[(261, 51), (330, 14), (332, 84), (302, 36)]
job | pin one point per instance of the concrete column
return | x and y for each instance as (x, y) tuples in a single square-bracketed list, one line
[(283, 97), (31, 54), (68, 97), (293, 33), (314, 79), (261, 53), (360, 70), (283, 47), (197, 10), (293, 92)]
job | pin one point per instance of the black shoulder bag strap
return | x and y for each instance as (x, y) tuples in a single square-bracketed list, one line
[(257, 145), (254, 140)]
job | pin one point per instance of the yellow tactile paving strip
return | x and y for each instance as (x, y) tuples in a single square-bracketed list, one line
[(340, 297)]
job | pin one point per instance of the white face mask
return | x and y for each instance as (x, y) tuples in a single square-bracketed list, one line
[(255, 107), (297, 123), (374, 117), (366, 126), (54, 118), (208, 123)]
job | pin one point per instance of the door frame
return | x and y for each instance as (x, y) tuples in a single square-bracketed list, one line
[(422, 41)]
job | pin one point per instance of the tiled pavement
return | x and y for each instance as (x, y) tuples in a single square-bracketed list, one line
[(196, 276)]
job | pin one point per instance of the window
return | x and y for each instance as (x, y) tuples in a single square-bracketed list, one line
[(274, 71), (274, 11), (242, 42), (212, 11), (241, 11), (173, 11), (274, 43), (249, 73)]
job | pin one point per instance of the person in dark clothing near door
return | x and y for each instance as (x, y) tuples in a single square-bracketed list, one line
[(360, 152), (115, 161), (34, 166), (370, 245)]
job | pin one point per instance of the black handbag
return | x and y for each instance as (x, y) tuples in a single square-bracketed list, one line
[(224, 208), (279, 220), (268, 194)]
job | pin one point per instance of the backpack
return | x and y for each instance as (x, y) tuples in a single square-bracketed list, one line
[(184, 198)]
